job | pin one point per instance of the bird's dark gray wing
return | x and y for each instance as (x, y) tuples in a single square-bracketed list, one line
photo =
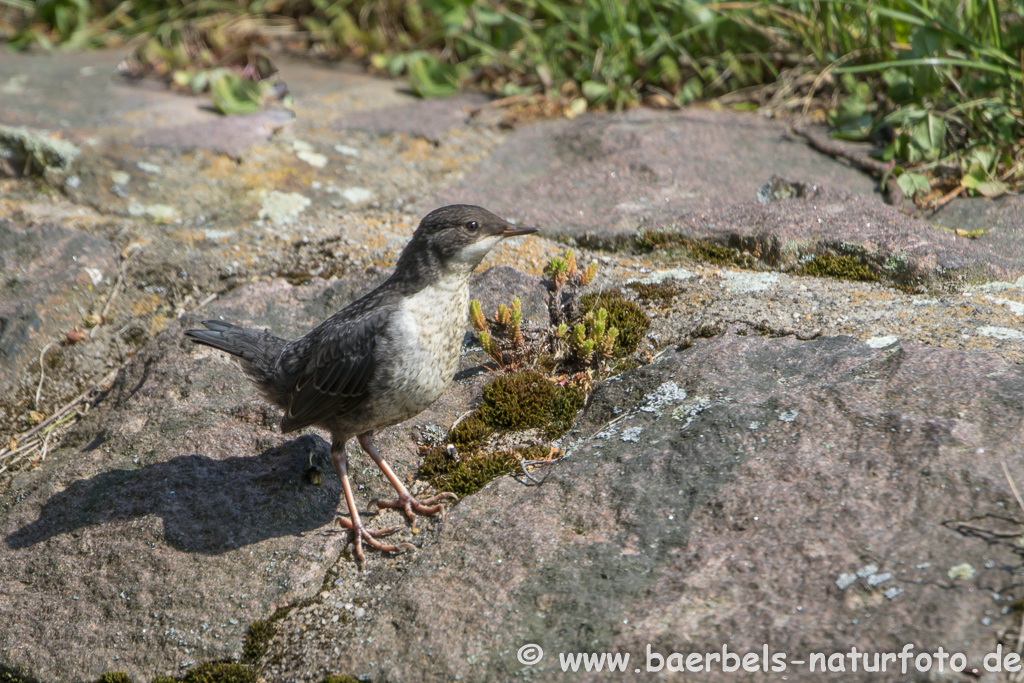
[(332, 367)]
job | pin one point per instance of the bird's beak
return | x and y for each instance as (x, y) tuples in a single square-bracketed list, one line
[(513, 231)]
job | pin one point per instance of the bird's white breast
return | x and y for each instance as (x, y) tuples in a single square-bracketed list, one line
[(425, 344)]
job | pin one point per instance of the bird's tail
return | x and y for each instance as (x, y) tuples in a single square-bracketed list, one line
[(258, 349)]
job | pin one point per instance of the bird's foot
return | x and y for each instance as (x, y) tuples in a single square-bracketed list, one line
[(412, 507), (359, 533)]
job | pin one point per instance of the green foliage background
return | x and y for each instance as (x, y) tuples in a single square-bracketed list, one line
[(939, 83)]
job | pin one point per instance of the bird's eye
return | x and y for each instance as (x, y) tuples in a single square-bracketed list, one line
[(472, 226)]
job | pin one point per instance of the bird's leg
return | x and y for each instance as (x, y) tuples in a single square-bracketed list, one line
[(405, 501), (355, 525)]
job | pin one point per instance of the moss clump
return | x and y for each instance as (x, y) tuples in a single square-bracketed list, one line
[(717, 254), (518, 401), (649, 240), (563, 413), (707, 252), (840, 267), (523, 400), (625, 365), (654, 292), (257, 639), (114, 677), (624, 315), (332, 678), (8, 675), (467, 475), (527, 400), (221, 672), (470, 434)]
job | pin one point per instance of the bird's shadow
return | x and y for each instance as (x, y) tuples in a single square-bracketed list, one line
[(208, 506)]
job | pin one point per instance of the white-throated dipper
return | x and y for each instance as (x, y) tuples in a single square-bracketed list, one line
[(382, 359)]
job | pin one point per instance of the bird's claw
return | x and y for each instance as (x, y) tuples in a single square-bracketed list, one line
[(411, 506), (359, 533)]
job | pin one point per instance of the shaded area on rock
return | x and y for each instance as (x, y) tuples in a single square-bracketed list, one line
[(206, 505)]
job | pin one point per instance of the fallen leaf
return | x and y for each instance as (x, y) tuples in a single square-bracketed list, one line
[(75, 336)]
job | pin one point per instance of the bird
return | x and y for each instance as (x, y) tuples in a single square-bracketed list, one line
[(379, 361)]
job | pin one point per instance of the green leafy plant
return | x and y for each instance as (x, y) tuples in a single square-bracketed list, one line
[(594, 335), (929, 81), (509, 320)]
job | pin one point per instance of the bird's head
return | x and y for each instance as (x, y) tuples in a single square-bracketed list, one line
[(457, 237)]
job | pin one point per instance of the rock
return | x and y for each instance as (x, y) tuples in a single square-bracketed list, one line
[(32, 152), (745, 478), (895, 247), (425, 119), (176, 514), (103, 544), (755, 490), (230, 135), (283, 207), (997, 225), (50, 277), (608, 175)]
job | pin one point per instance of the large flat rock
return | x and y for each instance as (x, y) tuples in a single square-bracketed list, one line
[(609, 174), (811, 496), (175, 514), (173, 517), (808, 495), (601, 180), (1000, 222), (427, 119)]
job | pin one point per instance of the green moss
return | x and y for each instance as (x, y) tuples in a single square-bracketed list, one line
[(332, 678), (842, 267), (523, 400), (706, 332), (707, 252), (436, 463), (567, 403), (649, 240), (539, 452), (625, 365), (467, 475), (164, 679), (221, 672), (526, 400), (518, 401), (654, 292), (257, 639), (470, 434), (114, 677), (625, 315), (8, 675), (718, 254)]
